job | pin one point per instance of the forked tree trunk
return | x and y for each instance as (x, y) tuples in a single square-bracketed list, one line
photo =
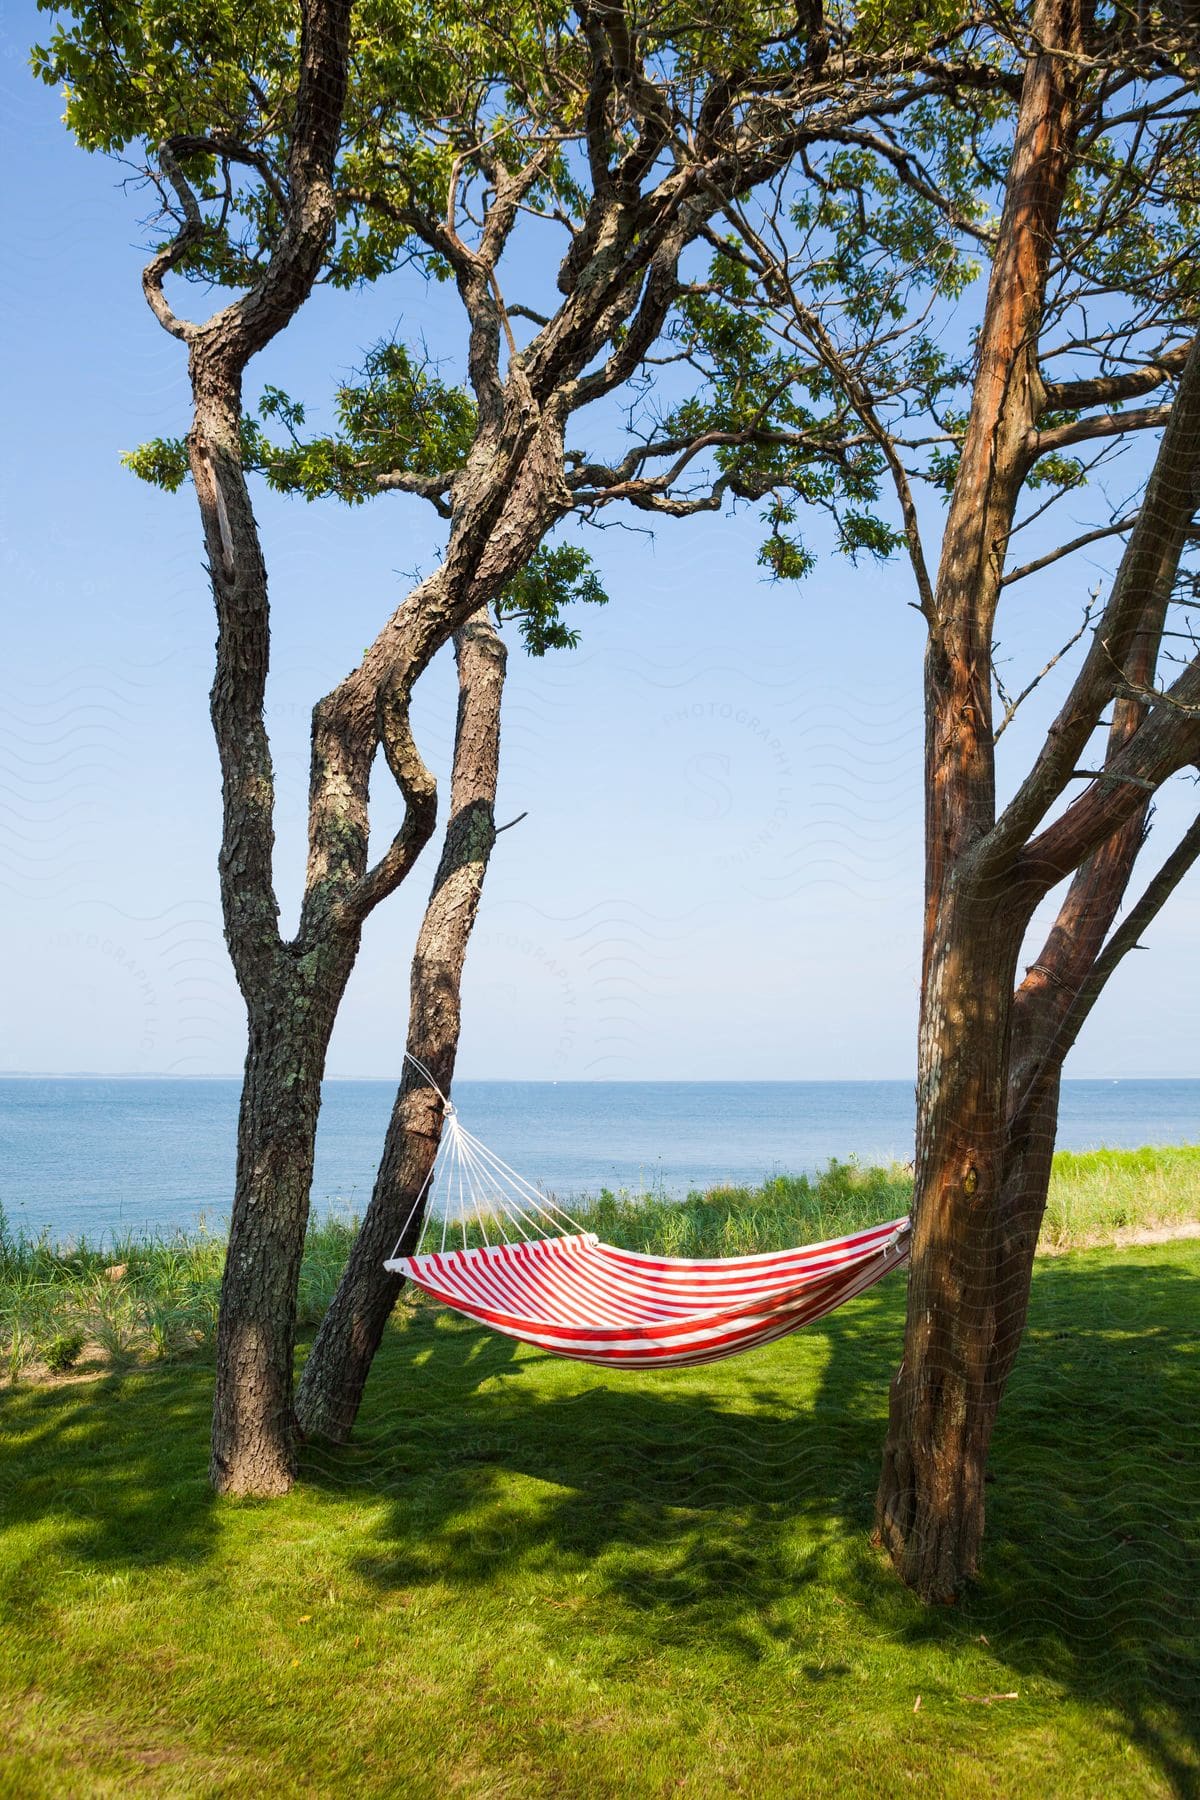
[(930, 1502), (331, 1387), (990, 1065), (298, 986)]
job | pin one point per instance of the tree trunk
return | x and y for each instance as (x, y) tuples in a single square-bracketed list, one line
[(930, 1506), (253, 1433), (1028, 1163), (995, 1237), (331, 1387), (930, 1502), (291, 991)]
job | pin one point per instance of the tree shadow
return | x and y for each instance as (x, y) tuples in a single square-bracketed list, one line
[(728, 1505), (1093, 1563), (118, 1463), (707, 1501)]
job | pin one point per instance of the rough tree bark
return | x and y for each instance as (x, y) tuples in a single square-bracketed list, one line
[(291, 990), (990, 1052), (252, 1442), (335, 1374), (930, 1507)]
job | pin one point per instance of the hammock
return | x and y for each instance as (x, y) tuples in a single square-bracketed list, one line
[(574, 1296)]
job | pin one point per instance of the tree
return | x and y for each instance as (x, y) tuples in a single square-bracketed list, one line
[(719, 131), (1092, 305), (292, 146), (334, 1377), (206, 117), (992, 1048)]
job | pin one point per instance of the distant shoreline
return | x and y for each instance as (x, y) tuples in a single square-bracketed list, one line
[(91, 1155), (575, 1081)]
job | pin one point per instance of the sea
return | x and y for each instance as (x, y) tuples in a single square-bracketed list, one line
[(99, 1159)]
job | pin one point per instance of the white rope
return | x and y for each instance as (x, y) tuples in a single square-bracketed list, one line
[(421, 1069), (476, 1178), (425, 1186), (464, 1168), (421, 1191), (526, 1223), (480, 1213), (462, 1209), (520, 1185)]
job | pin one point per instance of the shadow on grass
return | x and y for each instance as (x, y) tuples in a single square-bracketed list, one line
[(728, 1506), (118, 1464), (707, 1502)]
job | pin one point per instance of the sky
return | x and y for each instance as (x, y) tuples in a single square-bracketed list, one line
[(718, 873)]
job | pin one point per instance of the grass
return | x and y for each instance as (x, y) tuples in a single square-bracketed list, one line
[(156, 1299), (142, 1299), (1103, 1192), (529, 1578)]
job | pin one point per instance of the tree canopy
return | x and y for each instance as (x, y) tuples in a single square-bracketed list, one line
[(590, 142)]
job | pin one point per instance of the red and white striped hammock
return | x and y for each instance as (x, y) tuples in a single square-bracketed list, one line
[(577, 1297)]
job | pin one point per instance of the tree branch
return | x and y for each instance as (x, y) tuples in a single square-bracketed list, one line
[(1109, 390), (1099, 425), (1168, 740), (1142, 589), (241, 329), (227, 149), (1140, 915), (1067, 1009), (1011, 706), (1079, 543), (916, 178), (858, 395), (433, 488), (160, 266), (420, 807)]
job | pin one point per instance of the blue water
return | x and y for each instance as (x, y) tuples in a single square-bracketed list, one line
[(97, 1158)]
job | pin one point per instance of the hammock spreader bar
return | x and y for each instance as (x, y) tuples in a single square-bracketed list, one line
[(574, 1296)]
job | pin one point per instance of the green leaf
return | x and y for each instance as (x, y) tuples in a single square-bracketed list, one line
[(552, 579)]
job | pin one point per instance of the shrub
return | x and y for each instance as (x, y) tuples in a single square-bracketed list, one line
[(62, 1352)]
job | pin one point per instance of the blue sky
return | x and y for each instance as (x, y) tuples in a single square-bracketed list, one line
[(719, 873)]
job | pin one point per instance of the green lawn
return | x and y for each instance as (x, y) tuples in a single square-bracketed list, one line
[(529, 1577)]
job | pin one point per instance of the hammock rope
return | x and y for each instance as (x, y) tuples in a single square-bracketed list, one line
[(555, 1285)]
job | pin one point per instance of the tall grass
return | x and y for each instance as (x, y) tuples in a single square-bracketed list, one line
[(737, 1221), (156, 1298), (142, 1299), (1098, 1194)]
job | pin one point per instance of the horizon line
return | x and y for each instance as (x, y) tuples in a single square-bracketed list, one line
[(538, 1080)]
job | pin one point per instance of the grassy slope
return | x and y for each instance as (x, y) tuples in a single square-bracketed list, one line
[(529, 1577)]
